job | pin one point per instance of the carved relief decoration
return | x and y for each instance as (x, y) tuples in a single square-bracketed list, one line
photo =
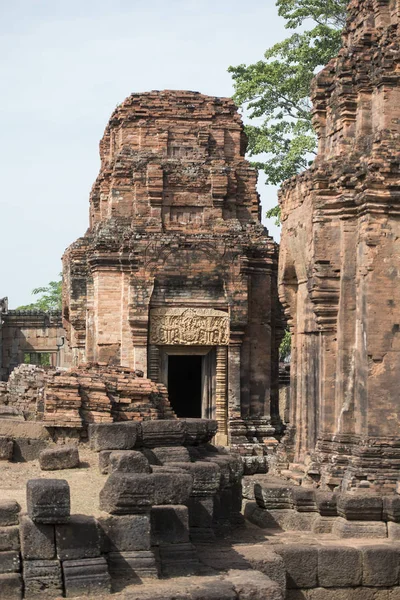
[(189, 327)]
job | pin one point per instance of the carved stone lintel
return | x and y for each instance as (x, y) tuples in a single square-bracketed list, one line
[(189, 327)]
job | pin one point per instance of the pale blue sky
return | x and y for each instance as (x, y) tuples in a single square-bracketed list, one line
[(64, 65)]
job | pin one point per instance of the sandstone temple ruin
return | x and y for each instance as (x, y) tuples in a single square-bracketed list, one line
[(340, 261), (176, 277)]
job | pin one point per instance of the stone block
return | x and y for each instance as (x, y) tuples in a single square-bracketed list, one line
[(172, 488), (6, 448), (26, 449), (393, 530), (339, 566), (206, 477), (359, 529), (9, 513), (326, 503), (48, 500), (273, 497), (9, 538), (199, 431), (380, 565), (201, 511), (323, 524), (301, 564), (113, 436), (37, 540), (303, 499), (11, 586), (391, 508), (169, 525), (159, 433), (300, 521), (170, 454), (42, 579), (125, 533), (56, 459), (78, 539), (104, 461), (250, 585), (128, 461), (127, 493), (179, 560), (357, 507), (133, 566), (267, 519), (360, 593), (86, 577), (9, 562), (263, 558)]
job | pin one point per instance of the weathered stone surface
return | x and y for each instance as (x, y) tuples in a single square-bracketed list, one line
[(380, 565), (323, 525), (79, 538), (128, 461), (6, 448), (169, 525), (273, 496), (37, 540), (9, 512), (54, 459), (338, 256), (199, 431), (339, 566), (125, 533), (48, 500), (113, 436), (179, 559), (301, 564), (162, 433), (206, 477), (359, 529), (104, 461), (42, 579), (86, 577), (9, 538), (127, 493), (359, 507), (304, 499), (180, 210), (133, 566), (11, 586), (253, 584), (326, 503), (172, 488), (10, 562), (265, 560), (391, 508), (170, 455)]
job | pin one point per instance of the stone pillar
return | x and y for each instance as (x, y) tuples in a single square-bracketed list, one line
[(221, 405), (154, 363)]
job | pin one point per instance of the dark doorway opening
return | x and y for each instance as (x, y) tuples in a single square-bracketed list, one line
[(184, 385)]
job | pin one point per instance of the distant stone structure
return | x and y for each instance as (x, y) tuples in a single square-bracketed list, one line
[(340, 262), (30, 336), (176, 276)]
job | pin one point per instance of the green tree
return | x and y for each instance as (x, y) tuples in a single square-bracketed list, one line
[(275, 91), (50, 297)]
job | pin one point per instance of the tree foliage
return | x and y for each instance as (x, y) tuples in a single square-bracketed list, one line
[(50, 297), (275, 91)]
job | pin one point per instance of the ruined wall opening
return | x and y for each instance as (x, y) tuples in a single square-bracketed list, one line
[(185, 385)]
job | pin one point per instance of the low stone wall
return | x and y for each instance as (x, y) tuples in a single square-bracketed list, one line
[(358, 514)]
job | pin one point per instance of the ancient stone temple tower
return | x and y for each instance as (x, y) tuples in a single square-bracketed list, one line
[(176, 275), (340, 261)]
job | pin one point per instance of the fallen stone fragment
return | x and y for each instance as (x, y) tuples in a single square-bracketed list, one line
[(9, 512), (48, 500), (6, 448), (113, 436), (133, 566), (125, 533), (169, 525), (78, 539), (127, 493), (128, 461), (53, 459), (162, 432)]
